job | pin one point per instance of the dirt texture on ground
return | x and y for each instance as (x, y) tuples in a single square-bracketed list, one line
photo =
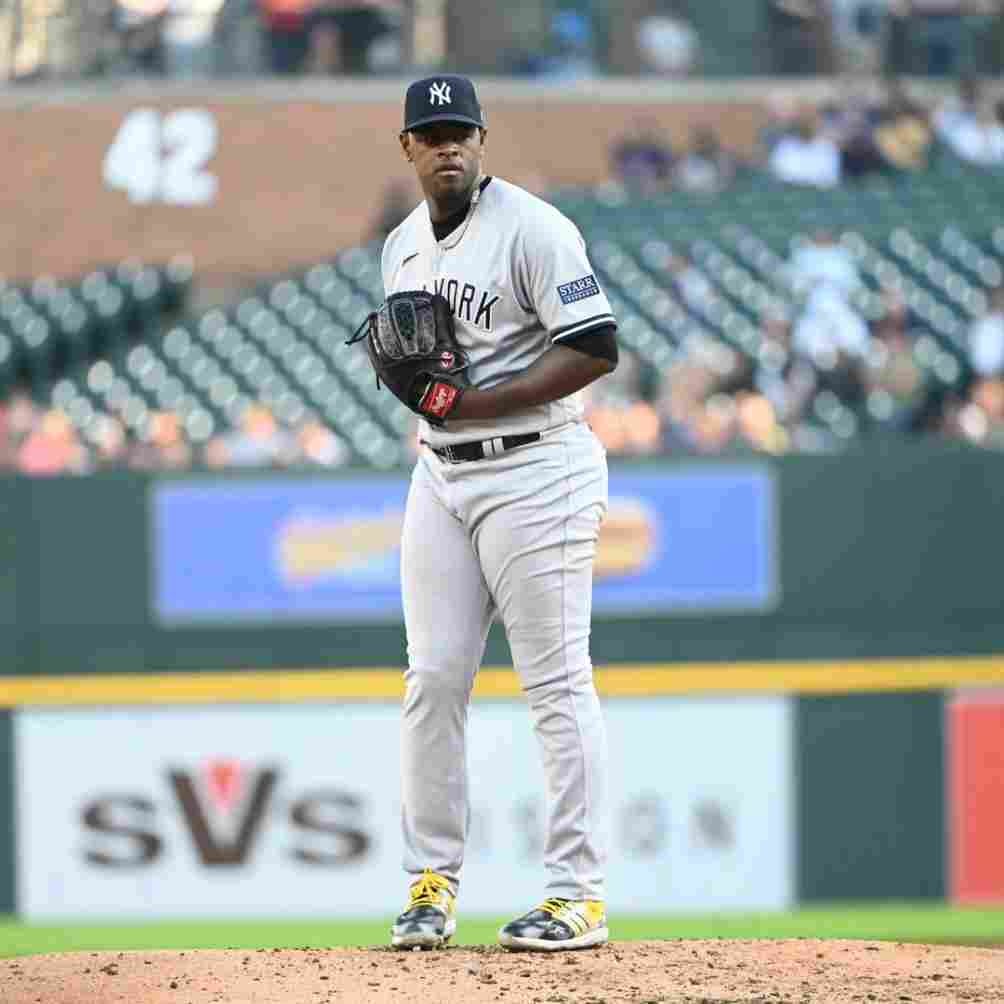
[(697, 972)]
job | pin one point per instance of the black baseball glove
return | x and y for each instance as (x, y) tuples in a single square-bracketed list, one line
[(413, 347)]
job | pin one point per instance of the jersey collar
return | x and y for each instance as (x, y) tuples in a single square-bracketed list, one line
[(453, 238)]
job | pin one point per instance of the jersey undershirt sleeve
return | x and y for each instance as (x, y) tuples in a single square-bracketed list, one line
[(597, 342), (555, 278)]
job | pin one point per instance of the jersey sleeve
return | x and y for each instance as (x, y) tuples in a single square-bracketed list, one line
[(557, 280), (386, 267)]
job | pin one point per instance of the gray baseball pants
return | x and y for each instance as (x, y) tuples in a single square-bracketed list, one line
[(514, 534)]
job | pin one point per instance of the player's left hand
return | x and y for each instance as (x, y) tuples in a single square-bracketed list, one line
[(413, 348)]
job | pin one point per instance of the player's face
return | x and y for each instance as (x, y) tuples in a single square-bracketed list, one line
[(447, 157)]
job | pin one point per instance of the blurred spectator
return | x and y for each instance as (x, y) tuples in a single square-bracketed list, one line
[(781, 121), (980, 139), (705, 167), (353, 36), (257, 442), (318, 446), (828, 330), (571, 44), (285, 24), (667, 43), (51, 448), (680, 405), (708, 403), (710, 421), (980, 419), (904, 136), (801, 36), (859, 31), (238, 39), (986, 337), (641, 159), (627, 429), (958, 111), (188, 37), (622, 420), (823, 261), (36, 442), (785, 378), (891, 135), (110, 443), (757, 425), (808, 157), (139, 27), (849, 119), (894, 379), (22, 415), (399, 198), (161, 446), (172, 451)]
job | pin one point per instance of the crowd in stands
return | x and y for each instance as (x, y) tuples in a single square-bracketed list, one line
[(203, 38), (822, 352), (39, 441), (824, 356), (712, 399), (565, 40), (818, 358), (869, 131)]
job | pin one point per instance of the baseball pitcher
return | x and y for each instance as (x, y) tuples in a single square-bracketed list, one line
[(493, 322)]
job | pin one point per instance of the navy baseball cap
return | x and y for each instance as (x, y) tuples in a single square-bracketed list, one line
[(446, 98)]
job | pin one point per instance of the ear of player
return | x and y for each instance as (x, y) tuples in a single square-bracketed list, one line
[(412, 345)]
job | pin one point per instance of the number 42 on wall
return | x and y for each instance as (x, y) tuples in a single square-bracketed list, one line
[(162, 158)]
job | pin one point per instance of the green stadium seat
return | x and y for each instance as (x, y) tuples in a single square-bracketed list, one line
[(8, 363), (177, 278)]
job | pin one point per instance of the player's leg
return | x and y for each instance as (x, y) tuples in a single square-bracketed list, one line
[(447, 611), (537, 552)]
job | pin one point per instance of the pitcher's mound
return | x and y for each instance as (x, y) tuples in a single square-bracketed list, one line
[(698, 972)]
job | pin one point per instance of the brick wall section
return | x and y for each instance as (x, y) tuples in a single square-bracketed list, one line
[(298, 180)]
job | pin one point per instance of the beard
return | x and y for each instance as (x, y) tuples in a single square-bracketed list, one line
[(450, 195)]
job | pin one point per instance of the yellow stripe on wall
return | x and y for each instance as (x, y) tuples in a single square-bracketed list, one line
[(642, 680)]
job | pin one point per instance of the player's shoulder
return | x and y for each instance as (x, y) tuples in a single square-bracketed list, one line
[(523, 207), (406, 233)]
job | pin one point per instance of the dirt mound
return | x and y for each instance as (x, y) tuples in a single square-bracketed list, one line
[(697, 972)]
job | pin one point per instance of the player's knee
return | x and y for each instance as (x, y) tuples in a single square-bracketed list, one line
[(438, 684), (557, 682)]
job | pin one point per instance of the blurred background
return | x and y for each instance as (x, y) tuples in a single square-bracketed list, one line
[(796, 208)]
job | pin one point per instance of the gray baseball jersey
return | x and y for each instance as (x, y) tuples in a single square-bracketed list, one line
[(513, 534), (518, 280)]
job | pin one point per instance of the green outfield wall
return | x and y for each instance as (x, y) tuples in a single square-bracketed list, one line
[(884, 597), (870, 796), (879, 553)]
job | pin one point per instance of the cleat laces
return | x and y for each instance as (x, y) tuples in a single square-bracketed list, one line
[(553, 906), (425, 892)]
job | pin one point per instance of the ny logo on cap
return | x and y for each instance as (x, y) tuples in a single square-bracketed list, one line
[(439, 94)]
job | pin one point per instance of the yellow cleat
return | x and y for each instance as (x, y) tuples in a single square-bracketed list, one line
[(430, 918), (558, 925)]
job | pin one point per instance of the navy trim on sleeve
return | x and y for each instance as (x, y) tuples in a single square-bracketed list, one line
[(581, 327), (597, 342)]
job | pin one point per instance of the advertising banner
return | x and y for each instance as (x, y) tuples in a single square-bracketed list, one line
[(691, 540), (261, 811)]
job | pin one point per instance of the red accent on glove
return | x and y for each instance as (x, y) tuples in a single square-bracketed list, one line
[(438, 399)]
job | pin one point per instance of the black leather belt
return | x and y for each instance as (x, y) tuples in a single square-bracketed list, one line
[(479, 450)]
